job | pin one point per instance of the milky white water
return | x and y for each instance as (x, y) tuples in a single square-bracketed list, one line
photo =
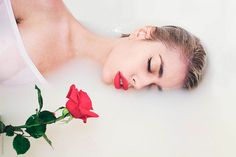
[(145, 123)]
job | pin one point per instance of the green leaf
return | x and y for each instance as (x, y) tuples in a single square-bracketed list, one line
[(21, 144), (47, 139), (35, 131), (40, 98), (9, 130), (47, 116), (2, 127)]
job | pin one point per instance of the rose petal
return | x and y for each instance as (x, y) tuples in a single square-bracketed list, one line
[(84, 118), (85, 101), (88, 113), (72, 94), (73, 108), (79, 104)]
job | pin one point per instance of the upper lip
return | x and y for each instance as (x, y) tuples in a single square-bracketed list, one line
[(117, 81)]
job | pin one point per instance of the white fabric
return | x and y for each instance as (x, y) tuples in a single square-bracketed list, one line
[(16, 68)]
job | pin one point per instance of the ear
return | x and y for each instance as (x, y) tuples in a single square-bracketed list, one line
[(143, 33)]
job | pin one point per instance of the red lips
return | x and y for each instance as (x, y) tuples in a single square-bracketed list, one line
[(120, 81)]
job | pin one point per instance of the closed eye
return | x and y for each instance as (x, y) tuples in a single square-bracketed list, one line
[(161, 68), (149, 65)]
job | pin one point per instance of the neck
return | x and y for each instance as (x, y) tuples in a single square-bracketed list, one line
[(86, 44)]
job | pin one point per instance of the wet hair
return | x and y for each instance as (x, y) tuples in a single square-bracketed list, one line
[(191, 47)]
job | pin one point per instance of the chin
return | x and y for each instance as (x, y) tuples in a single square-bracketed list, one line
[(106, 82), (106, 78)]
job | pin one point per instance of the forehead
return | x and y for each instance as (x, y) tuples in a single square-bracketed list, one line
[(174, 67)]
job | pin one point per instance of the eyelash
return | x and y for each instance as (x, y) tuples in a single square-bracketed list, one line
[(149, 65)]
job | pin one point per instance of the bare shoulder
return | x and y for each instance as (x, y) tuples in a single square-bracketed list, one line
[(27, 8)]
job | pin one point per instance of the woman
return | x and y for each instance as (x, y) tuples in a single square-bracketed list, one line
[(167, 57)]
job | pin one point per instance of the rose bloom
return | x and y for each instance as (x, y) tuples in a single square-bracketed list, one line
[(79, 104)]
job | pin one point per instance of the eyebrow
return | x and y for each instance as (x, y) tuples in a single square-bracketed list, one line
[(160, 73)]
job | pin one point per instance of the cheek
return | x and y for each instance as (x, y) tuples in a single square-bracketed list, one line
[(115, 63), (128, 61), (106, 74), (110, 67)]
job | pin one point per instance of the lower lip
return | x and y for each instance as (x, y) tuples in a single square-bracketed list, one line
[(117, 81)]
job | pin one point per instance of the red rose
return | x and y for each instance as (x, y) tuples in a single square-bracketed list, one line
[(79, 104)]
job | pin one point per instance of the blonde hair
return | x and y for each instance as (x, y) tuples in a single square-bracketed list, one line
[(191, 47)]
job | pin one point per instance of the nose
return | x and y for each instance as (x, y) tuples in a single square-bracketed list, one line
[(140, 81)]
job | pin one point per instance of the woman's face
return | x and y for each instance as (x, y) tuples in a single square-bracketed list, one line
[(141, 63)]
